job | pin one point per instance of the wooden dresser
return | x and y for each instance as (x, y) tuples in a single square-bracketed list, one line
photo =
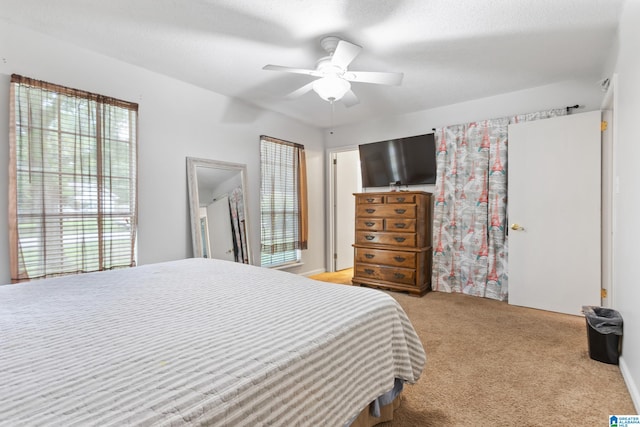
[(392, 248)]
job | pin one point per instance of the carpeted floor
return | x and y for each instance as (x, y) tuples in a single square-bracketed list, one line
[(490, 363)]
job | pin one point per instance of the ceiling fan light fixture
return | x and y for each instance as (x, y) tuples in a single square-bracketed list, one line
[(331, 88)]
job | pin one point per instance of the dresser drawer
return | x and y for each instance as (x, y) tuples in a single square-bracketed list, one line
[(384, 238), (374, 224), (387, 211), (392, 248), (390, 258), (400, 198), (400, 224), (389, 274), (365, 198)]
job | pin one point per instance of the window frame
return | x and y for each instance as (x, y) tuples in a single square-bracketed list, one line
[(295, 201)]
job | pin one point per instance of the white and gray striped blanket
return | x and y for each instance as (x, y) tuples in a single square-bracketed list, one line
[(198, 342)]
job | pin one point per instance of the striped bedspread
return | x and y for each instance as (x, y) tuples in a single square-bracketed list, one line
[(198, 342)]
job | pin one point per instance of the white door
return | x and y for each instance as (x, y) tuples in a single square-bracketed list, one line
[(554, 198), (347, 181), (221, 238)]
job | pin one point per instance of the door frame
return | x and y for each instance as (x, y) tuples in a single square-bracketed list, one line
[(609, 192), (332, 184)]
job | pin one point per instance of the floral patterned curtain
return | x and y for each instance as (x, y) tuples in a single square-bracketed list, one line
[(470, 226)]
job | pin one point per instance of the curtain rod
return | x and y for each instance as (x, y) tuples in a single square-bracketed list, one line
[(568, 108)]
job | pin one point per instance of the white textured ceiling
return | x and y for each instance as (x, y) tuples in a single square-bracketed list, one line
[(449, 50)]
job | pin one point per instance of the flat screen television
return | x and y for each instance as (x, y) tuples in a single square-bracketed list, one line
[(402, 161)]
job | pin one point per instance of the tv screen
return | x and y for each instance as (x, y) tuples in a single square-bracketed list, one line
[(402, 161)]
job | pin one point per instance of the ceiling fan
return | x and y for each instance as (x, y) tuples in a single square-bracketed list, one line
[(333, 83)]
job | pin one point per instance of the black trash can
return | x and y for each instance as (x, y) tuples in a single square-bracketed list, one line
[(604, 331)]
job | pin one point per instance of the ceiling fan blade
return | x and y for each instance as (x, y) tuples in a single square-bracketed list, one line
[(301, 91), (381, 78), (350, 99), (345, 53), (291, 70)]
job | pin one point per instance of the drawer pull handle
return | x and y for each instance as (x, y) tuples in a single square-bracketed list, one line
[(400, 199), (400, 239), (369, 256), (400, 225), (370, 200), (399, 258), (400, 211), (371, 237), (369, 224), (368, 271), (370, 211), (398, 275)]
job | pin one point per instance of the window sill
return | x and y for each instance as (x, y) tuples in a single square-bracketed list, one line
[(286, 266)]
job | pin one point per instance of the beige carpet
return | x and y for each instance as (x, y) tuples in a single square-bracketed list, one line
[(489, 363)]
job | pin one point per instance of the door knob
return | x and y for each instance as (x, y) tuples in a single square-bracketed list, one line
[(516, 227)]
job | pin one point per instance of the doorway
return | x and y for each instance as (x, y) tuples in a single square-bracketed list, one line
[(220, 234), (345, 180)]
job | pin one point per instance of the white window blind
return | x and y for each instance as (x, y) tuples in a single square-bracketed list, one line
[(72, 180), (283, 201)]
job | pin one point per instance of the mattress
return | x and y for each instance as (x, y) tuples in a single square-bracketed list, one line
[(198, 342)]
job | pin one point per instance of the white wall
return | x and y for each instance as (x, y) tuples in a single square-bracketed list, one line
[(176, 120), (626, 281), (224, 188), (586, 93)]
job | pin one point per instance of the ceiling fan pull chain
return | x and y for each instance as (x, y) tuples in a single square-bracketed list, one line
[(333, 108)]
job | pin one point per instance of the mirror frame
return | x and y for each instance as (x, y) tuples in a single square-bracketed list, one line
[(194, 200)]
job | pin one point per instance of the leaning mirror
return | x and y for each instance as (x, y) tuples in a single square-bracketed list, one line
[(218, 209)]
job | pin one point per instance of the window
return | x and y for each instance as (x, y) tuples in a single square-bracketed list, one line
[(72, 186), (283, 202)]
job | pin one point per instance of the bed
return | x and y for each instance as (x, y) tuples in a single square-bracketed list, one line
[(199, 342)]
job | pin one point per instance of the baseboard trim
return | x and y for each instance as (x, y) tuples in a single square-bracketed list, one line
[(631, 384), (314, 272)]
